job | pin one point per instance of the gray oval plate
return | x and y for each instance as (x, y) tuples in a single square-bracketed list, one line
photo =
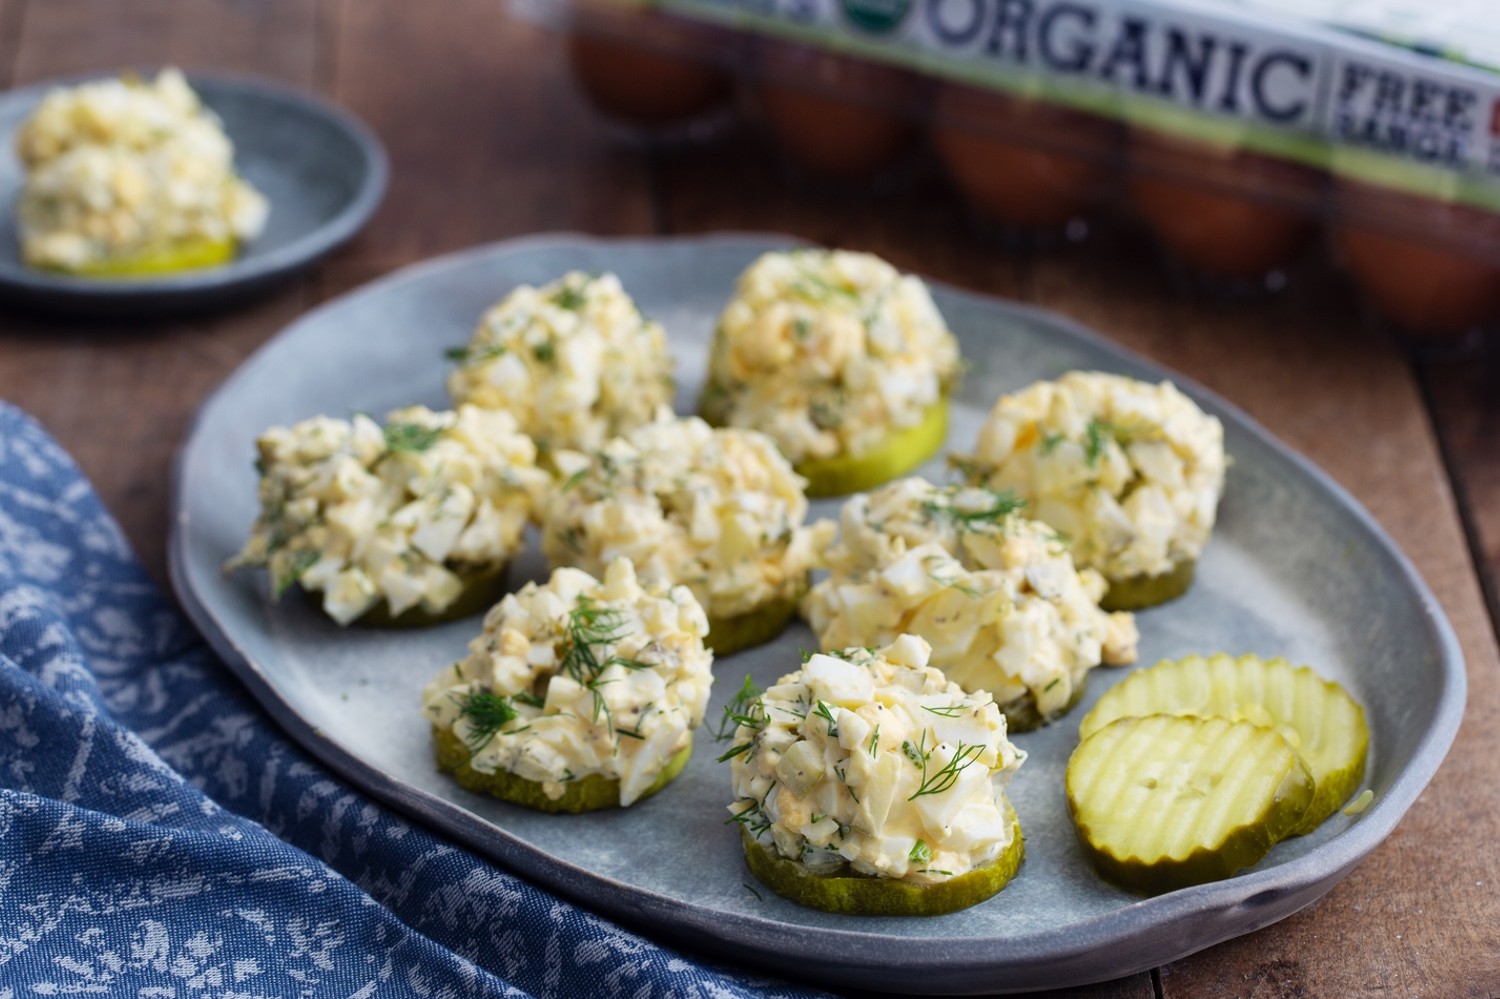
[(323, 171), (1296, 568)]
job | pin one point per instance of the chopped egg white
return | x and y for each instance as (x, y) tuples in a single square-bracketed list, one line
[(402, 513), (574, 361), (603, 678), (996, 595), (124, 169), (719, 511), (1129, 471), (874, 760), (828, 352)]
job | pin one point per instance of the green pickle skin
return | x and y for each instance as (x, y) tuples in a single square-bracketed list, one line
[(189, 255), (851, 894), (843, 474), (728, 635), (1021, 714), (894, 456), (1140, 592), (1126, 817), (590, 793)]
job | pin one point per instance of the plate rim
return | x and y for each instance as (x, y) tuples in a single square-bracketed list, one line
[(244, 270), (1270, 894)]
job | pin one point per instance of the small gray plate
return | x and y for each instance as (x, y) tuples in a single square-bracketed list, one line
[(323, 172), (1295, 568)]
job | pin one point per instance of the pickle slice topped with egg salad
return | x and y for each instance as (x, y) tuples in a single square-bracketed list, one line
[(1128, 471), (409, 523), (867, 784), (995, 594), (574, 361), (719, 511), (578, 695), (131, 178), (844, 361)]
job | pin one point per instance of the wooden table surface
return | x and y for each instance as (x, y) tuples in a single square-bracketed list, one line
[(489, 140)]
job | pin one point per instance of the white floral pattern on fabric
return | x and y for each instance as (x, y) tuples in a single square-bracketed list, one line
[(159, 836)]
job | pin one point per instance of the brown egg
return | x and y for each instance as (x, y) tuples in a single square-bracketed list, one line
[(1429, 266), (1226, 213), (648, 68), (1022, 162), (840, 117)]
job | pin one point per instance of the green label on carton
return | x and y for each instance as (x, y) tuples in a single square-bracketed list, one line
[(878, 17), (1314, 94)]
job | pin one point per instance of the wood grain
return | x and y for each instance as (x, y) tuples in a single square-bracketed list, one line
[(11, 12), (487, 137), (1464, 392), (276, 38)]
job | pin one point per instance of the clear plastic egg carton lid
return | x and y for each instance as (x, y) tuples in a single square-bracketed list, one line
[(1245, 136)]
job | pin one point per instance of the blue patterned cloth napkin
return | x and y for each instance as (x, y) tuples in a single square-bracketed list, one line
[(160, 836)]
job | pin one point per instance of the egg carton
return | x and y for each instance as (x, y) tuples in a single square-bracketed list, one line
[(1236, 130)]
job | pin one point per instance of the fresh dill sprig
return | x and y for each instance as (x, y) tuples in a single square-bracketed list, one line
[(824, 712), (746, 710), (920, 852), (964, 756), (546, 352), (947, 710), (569, 297), (1096, 438), (972, 592), (590, 626), (752, 818), (487, 713), (410, 437), (1002, 504), (301, 562)]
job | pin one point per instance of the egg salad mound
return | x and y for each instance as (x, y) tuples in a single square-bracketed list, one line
[(404, 518), (871, 765), (995, 594), (578, 695), (1130, 472), (574, 361), (719, 511), (831, 353), (128, 177)]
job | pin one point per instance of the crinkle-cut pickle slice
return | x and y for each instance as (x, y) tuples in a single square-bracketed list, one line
[(1021, 714), (728, 635), (1167, 801), (1139, 592), (852, 894), (1317, 716), (187, 255), (482, 589), (589, 793)]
